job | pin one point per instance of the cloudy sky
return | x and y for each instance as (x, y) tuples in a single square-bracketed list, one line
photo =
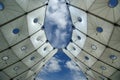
[(60, 67), (58, 28)]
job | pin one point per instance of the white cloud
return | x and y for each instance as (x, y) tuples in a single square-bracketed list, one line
[(60, 37), (72, 66), (58, 12), (76, 73), (52, 66)]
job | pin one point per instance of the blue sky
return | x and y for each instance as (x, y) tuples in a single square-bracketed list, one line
[(60, 67), (58, 28)]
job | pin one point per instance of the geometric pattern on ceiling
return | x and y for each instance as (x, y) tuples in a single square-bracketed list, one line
[(100, 55), (24, 47), (95, 43)]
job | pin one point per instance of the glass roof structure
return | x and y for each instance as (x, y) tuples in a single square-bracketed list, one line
[(94, 45)]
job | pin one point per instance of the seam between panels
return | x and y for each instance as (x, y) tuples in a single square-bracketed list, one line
[(95, 15), (28, 37), (41, 60), (98, 41), (91, 5), (21, 58), (88, 66), (97, 58), (21, 15), (9, 47)]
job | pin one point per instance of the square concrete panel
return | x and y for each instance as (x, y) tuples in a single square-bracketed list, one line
[(79, 19), (99, 29), (15, 31), (7, 58), (45, 49), (86, 58), (15, 69), (111, 57), (23, 49), (35, 20), (32, 59), (10, 11), (73, 49), (78, 38), (103, 69), (38, 39), (106, 10), (93, 48)]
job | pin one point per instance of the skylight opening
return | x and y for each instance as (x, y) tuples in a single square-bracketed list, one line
[(5, 58), (35, 20), (74, 48), (99, 29), (113, 3), (86, 58), (32, 58), (79, 19), (79, 38), (45, 48), (1, 6), (103, 67), (16, 68), (58, 24), (94, 47), (113, 57), (60, 67), (23, 48), (15, 31)]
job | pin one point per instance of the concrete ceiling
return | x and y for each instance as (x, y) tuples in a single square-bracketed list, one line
[(95, 43)]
